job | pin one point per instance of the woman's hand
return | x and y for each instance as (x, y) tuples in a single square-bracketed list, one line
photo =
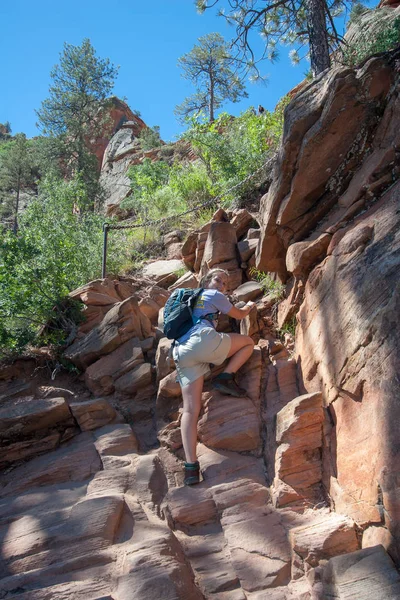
[(241, 313)]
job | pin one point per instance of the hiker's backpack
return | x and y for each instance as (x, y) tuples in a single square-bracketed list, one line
[(178, 312)]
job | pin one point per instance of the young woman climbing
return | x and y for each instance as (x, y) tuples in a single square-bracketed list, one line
[(202, 345)]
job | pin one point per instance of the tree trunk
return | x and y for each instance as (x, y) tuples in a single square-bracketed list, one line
[(318, 36), (211, 102), (15, 226)]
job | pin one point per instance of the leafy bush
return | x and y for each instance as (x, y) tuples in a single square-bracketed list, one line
[(231, 149), (191, 183), (58, 248)]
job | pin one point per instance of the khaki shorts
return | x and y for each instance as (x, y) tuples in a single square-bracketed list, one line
[(193, 358)]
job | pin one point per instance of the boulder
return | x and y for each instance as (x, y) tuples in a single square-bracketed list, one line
[(221, 246), (75, 462), (249, 325), (299, 435), (248, 291), (302, 256), (169, 387), (99, 292), (20, 420), (188, 280), (164, 361), (100, 377), (163, 271), (93, 316), (93, 414), (326, 537), (116, 440), (241, 220), (368, 573), (229, 423), (247, 248), (150, 308), (139, 377), (121, 323), (190, 506)]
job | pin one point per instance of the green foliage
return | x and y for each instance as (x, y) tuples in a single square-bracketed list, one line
[(191, 184), (210, 67), (230, 149), (146, 179), (16, 173), (385, 35), (181, 272), (56, 250), (75, 112), (274, 289), (357, 11), (289, 327), (150, 138)]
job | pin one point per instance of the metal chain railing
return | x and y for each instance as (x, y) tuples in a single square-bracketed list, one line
[(151, 223)]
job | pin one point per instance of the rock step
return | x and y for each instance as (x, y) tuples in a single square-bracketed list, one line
[(367, 574)]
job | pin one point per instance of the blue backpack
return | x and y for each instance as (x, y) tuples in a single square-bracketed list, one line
[(178, 312)]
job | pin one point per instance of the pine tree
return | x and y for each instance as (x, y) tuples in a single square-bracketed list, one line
[(309, 23), (74, 113), (15, 175), (209, 66)]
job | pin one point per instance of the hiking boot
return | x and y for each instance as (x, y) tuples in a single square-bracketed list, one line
[(226, 384), (192, 473)]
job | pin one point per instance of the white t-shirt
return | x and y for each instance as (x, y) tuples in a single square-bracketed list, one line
[(210, 302)]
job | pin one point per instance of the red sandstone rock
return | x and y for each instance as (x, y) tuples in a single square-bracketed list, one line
[(229, 423), (139, 377), (150, 308), (368, 574), (241, 221), (93, 414), (348, 349), (100, 377), (163, 271), (188, 280), (190, 506), (321, 150), (121, 323), (330, 536), (164, 361)]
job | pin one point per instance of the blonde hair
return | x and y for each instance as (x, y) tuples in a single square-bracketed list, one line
[(208, 276)]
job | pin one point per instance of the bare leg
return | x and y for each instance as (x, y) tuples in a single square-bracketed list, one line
[(241, 349), (191, 409)]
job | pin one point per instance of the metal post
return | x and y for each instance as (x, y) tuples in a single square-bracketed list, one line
[(103, 268)]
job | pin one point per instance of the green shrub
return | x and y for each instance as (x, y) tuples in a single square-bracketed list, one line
[(191, 183), (56, 250)]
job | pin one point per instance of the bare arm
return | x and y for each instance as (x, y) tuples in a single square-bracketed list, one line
[(241, 313)]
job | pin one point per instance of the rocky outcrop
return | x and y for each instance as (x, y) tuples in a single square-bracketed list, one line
[(338, 154), (117, 114)]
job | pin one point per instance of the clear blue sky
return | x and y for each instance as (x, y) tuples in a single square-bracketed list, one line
[(144, 38)]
